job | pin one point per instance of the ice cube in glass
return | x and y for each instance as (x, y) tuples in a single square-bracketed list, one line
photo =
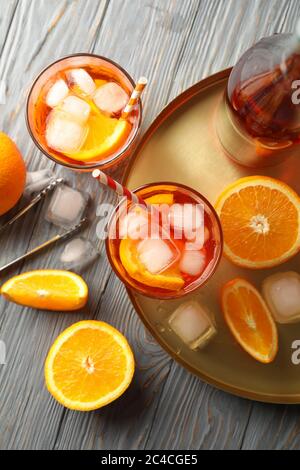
[(77, 108), (57, 93), (188, 219), (81, 79), (67, 206), (134, 223), (64, 133), (110, 98), (78, 254), (282, 294), (193, 324), (192, 262), (157, 255)]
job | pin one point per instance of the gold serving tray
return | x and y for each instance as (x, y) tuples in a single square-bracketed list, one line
[(181, 146)]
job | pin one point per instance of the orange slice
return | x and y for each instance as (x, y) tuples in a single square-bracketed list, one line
[(131, 263), (47, 289), (105, 136), (260, 217), (249, 320), (89, 365), (162, 198), (99, 82)]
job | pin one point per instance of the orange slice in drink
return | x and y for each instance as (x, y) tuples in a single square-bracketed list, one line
[(260, 217), (249, 320), (128, 254), (104, 137), (162, 198), (47, 289), (89, 365)]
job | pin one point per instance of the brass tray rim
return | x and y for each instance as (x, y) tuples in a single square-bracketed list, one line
[(169, 109)]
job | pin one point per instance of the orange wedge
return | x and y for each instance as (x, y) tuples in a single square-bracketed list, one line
[(249, 320), (130, 261), (162, 198), (47, 289), (89, 365), (105, 136), (260, 217)]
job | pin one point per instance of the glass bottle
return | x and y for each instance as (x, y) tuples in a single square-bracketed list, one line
[(258, 121)]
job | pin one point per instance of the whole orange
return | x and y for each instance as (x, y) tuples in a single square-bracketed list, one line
[(12, 174)]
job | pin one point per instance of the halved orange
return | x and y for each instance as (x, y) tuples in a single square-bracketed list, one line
[(47, 289), (249, 320), (260, 218), (89, 365)]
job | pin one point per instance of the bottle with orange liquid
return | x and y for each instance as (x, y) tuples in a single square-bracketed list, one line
[(258, 122)]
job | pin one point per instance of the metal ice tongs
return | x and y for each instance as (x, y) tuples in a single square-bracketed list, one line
[(52, 240), (32, 203), (23, 211)]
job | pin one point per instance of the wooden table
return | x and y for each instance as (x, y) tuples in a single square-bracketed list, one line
[(175, 43)]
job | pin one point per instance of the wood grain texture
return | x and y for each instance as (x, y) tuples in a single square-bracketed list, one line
[(174, 43)]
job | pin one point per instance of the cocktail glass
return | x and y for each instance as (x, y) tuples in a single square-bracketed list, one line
[(212, 244), (37, 112)]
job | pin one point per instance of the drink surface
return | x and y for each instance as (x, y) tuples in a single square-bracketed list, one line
[(170, 249), (77, 115)]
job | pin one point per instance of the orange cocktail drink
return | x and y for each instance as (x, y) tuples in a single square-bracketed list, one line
[(74, 112), (169, 248)]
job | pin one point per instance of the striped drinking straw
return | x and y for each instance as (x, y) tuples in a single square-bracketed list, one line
[(141, 83), (117, 187)]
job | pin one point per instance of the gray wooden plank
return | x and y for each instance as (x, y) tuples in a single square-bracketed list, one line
[(225, 29), (220, 23), (273, 427), (126, 423), (164, 25), (276, 426), (146, 38), (193, 415), (6, 16), (238, 410), (29, 416), (174, 47)]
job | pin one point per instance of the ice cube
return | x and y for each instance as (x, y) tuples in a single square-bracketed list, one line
[(38, 180), (77, 108), (134, 225), (64, 133), (111, 98), (79, 253), (81, 79), (67, 206), (282, 294), (193, 324), (57, 93), (192, 262), (197, 243), (156, 254), (188, 219)]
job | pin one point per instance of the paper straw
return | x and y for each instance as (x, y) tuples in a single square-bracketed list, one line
[(142, 82), (117, 187)]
